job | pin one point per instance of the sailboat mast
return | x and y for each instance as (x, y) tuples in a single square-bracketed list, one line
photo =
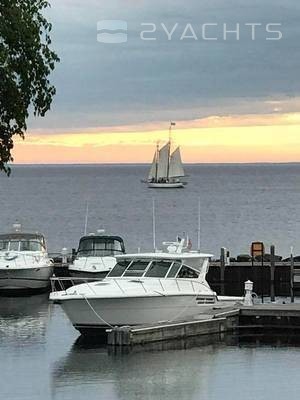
[(156, 160), (169, 149)]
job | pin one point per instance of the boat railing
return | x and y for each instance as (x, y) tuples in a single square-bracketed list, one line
[(63, 283)]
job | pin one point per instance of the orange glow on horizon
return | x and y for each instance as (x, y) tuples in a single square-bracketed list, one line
[(243, 138)]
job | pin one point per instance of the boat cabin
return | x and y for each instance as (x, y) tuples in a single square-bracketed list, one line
[(148, 268), (100, 246), (22, 242)]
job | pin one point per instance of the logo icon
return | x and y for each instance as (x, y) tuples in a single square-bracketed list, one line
[(112, 31)]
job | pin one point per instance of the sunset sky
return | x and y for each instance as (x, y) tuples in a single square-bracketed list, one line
[(232, 100)]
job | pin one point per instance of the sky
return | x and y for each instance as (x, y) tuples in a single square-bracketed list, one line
[(235, 96)]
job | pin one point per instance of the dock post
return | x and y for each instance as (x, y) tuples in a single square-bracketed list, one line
[(222, 269), (248, 299), (64, 253), (292, 277), (272, 272)]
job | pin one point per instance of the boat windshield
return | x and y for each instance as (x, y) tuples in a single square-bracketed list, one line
[(152, 269), (100, 247), (158, 269), (21, 245)]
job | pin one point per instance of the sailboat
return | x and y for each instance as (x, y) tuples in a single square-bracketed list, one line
[(166, 169)]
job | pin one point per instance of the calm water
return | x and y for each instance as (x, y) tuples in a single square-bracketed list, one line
[(40, 356), (239, 204)]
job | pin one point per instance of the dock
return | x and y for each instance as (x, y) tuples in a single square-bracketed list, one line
[(259, 318), (269, 279)]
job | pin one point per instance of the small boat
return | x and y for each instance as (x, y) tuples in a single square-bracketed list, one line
[(95, 256), (142, 288), (166, 170), (24, 262)]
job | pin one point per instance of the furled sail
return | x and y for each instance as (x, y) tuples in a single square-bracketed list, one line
[(176, 168), (152, 172), (163, 161)]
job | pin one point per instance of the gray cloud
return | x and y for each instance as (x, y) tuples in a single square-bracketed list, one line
[(102, 84)]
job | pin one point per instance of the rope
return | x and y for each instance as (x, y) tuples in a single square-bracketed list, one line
[(95, 312), (169, 320), (186, 307)]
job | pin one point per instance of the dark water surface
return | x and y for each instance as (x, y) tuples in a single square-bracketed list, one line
[(42, 359), (40, 356), (239, 204)]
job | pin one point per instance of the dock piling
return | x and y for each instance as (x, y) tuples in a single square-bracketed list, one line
[(272, 272), (222, 269), (292, 276)]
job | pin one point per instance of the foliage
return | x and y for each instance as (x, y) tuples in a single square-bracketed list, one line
[(26, 62)]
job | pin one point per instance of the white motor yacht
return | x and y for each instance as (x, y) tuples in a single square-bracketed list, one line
[(142, 288), (95, 256), (24, 262)]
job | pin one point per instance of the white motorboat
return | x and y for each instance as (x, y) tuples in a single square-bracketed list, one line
[(24, 262), (166, 170), (142, 288), (95, 256)]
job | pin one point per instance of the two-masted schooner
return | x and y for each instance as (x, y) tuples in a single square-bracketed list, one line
[(166, 169)]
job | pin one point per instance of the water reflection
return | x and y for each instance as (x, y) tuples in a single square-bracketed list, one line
[(151, 371), (251, 339), (23, 320)]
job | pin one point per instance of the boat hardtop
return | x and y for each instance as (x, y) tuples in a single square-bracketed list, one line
[(165, 256), (22, 242), (170, 271), (100, 246)]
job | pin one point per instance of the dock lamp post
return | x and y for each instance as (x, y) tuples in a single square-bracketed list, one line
[(248, 299)]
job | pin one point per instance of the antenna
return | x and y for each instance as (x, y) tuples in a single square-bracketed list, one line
[(199, 225), (153, 224), (169, 147), (86, 218)]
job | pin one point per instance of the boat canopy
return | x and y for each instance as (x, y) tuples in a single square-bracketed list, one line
[(22, 242), (152, 269), (100, 246)]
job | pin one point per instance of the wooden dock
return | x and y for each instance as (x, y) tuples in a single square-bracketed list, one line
[(270, 279), (257, 318)]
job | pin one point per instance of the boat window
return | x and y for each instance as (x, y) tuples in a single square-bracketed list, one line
[(31, 245), (99, 247), (22, 245), (137, 268), (119, 268), (3, 245), (158, 269), (14, 245), (186, 272), (173, 270)]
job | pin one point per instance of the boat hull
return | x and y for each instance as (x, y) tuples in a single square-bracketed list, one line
[(98, 314), (23, 279), (167, 185), (90, 276)]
